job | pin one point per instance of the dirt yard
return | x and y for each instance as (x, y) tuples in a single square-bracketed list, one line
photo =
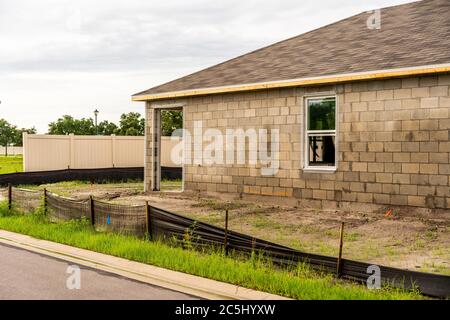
[(404, 239)]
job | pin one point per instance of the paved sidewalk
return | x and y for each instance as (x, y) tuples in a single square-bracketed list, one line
[(173, 280)]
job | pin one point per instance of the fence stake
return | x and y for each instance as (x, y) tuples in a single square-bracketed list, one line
[(226, 233), (45, 200), (91, 201), (339, 262), (9, 196), (148, 221)]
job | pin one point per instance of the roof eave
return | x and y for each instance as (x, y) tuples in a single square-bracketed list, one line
[(322, 80)]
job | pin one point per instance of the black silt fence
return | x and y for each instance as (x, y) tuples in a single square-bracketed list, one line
[(94, 175), (119, 218), (62, 208), (26, 200), (171, 173), (169, 225), (163, 225)]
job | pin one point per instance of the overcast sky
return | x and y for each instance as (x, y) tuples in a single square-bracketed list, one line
[(69, 57)]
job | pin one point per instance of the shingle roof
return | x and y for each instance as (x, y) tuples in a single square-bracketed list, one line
[(413, 34)]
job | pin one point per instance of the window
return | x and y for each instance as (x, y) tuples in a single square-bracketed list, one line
[(320, 151)]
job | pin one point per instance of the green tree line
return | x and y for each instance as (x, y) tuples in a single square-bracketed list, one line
[(11, 135), (130, 124)]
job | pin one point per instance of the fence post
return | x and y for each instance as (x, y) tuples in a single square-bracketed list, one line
[(339, 262), (24, 151), (113, 150), (45, 201), (148, 221), (9, 196), (72, 151), (225, 244), (91, 206)]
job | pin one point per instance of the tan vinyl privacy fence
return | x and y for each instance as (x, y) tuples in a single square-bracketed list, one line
[(56, 152), (12, 151)]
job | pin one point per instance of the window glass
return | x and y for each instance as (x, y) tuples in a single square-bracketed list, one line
[(321, 151), (322, 114)]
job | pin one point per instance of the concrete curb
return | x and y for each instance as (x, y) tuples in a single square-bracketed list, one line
[(178, 281)]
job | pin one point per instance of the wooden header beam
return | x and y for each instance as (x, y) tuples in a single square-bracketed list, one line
[(373, 75)]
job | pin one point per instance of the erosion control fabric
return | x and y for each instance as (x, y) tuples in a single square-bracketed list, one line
[(94, 175), (158, 224)]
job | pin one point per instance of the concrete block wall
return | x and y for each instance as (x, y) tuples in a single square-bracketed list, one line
[(392, 141)]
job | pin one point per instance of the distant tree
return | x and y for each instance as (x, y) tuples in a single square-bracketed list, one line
[(67, 125), (131, 124), (11, 135), (107, 128), (7, 132), (18, 136), (170, 121)]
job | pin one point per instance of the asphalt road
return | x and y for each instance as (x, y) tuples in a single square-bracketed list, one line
[(29, 275)]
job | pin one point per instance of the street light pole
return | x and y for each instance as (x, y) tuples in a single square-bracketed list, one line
[(96, 112)]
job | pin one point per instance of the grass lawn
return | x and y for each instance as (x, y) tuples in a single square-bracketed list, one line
[(298, 283), (10, 164), (171, 185)]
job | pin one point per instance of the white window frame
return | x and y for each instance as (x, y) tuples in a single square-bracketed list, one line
[(309, 133)]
